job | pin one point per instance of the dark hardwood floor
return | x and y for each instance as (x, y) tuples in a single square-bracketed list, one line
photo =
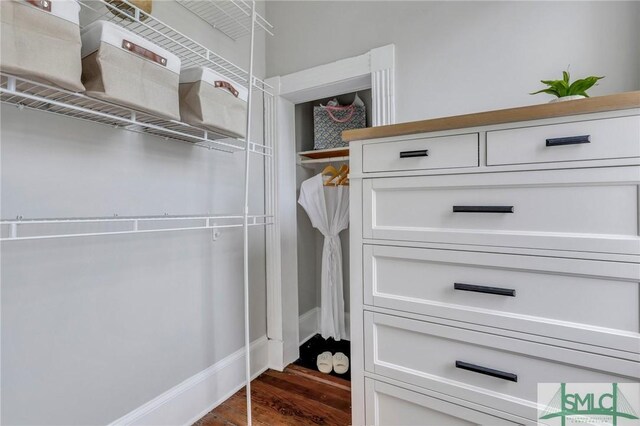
[(297, 396)]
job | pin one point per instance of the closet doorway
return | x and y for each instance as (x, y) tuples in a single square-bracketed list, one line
[(294, 247), (310, 241)]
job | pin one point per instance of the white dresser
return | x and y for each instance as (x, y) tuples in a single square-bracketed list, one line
[(490, 253)]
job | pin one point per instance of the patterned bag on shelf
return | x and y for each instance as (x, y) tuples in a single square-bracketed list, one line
[(331, 120)]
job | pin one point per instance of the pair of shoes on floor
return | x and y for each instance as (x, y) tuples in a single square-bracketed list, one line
[(338, 362)]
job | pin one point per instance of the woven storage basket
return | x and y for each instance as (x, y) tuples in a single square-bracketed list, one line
[(40, 40), (209, 100), (122, 67)]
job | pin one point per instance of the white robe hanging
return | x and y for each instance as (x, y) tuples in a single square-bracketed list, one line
[(328, 209)]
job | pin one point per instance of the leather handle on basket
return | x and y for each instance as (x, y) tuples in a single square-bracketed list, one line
[(141, 51), (41, 4), (228, 86)]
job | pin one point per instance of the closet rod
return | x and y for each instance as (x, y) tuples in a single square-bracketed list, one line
[(325, 160), (117, 218), (15, 227)]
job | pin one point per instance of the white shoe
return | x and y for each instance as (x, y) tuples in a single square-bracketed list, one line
[(325, 362), (340, 363)]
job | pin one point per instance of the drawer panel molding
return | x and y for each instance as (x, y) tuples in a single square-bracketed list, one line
[(429, 355), (582, 140), (422, 154), (592, 210), (528, 294), (389, 405)]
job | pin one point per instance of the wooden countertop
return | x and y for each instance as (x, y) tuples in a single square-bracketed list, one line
[(618, 101)]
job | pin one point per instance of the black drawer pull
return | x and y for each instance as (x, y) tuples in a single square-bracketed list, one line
[(571, 140), (413, 154), (483, 209), (485, 289), (487, 371)]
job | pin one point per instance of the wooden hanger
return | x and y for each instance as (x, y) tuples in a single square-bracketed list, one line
[(344, 175), (332, 173), (336, 177)]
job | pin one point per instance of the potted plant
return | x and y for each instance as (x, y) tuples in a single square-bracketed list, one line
[(566, 91)]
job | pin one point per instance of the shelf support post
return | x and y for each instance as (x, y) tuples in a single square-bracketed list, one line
[(245, 227)]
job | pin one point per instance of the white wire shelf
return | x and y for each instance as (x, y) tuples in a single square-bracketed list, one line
[(24, 93), (39, 229), (189, 51), (231, 17)]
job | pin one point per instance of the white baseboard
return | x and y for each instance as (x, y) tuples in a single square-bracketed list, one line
[(347, 325), (276, 354), (187, 402), (309, 324)]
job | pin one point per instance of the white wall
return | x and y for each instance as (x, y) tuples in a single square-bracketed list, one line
[(461, 57), (92, 328)]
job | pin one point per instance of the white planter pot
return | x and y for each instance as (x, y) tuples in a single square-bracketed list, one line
[(567, 98)]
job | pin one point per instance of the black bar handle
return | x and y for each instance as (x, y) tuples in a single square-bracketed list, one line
[(571, 140), (485, 289), (487, 371), (413, 154), (483, 209)]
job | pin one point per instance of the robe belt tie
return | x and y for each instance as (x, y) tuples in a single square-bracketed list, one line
[(333, 243)]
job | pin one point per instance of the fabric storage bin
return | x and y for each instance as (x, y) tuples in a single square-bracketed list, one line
[(124, 68), (41, 41), (331, 120), (209, 100)]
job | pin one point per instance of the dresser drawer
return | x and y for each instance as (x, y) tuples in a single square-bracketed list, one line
[(591, 302), (582, 209), (389, 405), (583, 140), (487, 369), (421, 154)]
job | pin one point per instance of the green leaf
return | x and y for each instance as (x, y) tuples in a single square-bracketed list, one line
[(549, 91), (561, 87), (581, 86)]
